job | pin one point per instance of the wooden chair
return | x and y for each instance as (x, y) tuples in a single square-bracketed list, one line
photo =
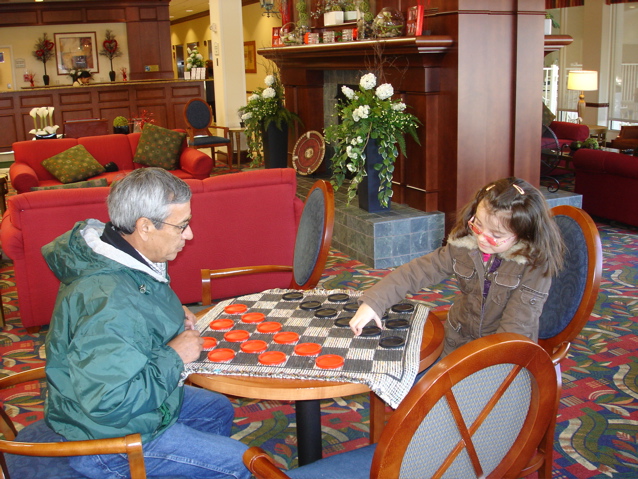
[(568, 307), (311, 246), (47, 455), (199, 118), (480, 412)]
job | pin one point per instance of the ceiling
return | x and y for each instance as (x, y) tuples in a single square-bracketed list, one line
[(178, 9)]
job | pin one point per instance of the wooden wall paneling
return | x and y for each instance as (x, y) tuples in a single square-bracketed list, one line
[(8, 130), (104, 15), (58, 16), (75, 97), (19, 18)]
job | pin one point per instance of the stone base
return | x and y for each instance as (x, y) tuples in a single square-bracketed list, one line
[(561, 197), (387, 239)]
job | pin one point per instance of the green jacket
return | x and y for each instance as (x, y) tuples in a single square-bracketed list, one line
[(109, 370)]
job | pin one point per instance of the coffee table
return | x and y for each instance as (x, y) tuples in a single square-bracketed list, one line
[(307, 394)]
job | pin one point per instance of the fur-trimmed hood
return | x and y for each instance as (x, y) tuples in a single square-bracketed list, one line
[(512, 254)]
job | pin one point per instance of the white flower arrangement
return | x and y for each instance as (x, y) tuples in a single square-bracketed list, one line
[(194, 59), (369, 114), (45, 126)]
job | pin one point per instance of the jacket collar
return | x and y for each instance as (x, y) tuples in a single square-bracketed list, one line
[(512, 254)]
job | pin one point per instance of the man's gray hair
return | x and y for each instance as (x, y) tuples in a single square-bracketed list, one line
[(145, 193)]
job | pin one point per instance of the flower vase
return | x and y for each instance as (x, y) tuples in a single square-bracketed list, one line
[(275, 146), (368, 189), (333, 18), (45, 80), (112, 75)]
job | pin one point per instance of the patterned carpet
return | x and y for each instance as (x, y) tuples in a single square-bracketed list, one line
[(598, 419)]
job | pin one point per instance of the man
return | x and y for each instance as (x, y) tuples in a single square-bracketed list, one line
[(119, 339)]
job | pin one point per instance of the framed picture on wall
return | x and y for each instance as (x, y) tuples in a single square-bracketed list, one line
[(75, 51), (250, 57)]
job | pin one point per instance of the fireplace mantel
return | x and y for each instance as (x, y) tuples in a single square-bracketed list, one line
[(355, 55)]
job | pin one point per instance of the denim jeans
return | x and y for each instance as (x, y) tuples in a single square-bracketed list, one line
[(196, 446)]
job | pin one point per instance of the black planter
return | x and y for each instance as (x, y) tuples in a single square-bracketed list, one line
[(121, 129), (51, 136), (276, 146), (368, 190), (45, 79), (112, 75)]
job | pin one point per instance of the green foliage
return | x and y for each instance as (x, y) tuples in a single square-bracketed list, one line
[(194, 59), (369, 114), (265, 106), (120, 121)]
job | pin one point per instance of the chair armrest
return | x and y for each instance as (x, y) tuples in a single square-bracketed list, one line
[(223, 128), (208, 274), (196, 163), (23, 177), (260, 464), (560, 352)]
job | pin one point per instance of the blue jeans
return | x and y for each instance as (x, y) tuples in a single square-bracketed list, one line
[(196, 446)]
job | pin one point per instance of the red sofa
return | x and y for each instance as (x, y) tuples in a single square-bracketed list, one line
[(609, 184), (569, 132), (242, 219), (27, 170)]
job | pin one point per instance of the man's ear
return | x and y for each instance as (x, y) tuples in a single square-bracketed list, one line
[(143, 226)]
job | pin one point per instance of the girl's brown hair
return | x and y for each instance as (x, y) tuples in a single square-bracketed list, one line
[(529, 218)]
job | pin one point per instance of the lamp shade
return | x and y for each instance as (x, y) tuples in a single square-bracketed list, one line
[(582, 80)]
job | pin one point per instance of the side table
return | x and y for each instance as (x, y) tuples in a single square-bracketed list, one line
[(235, 138), (598, 132)]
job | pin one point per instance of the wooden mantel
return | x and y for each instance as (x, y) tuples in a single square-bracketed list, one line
[(475, 85)]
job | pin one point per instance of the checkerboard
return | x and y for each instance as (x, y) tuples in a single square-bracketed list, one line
[(390, 372)]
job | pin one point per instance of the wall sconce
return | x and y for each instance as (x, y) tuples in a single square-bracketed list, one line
[(582, 80), (268, 6)]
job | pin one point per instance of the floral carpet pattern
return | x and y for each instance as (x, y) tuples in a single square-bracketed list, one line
[(597, 430)]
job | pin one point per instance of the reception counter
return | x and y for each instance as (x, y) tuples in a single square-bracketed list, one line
[(165, 99)]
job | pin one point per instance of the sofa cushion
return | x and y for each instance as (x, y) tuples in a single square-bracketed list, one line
[(74, 164), (78, 184), (159, 147)]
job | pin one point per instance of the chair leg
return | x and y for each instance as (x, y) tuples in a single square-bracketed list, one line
[(377, 417)]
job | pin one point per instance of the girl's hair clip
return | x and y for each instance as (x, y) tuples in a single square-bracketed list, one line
[(519, 189), (490, 187)]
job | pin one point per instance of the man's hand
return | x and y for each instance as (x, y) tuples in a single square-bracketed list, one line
[(362, 317), (188, 345), (189, 319)]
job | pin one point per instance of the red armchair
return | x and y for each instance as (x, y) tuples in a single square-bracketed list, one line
[(627, 139), (569, 132)]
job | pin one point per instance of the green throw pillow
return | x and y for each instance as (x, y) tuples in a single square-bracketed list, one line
[(79, 184), (159, 147), (74, 164)]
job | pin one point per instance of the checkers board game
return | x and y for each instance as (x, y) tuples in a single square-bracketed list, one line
[(305, 335)]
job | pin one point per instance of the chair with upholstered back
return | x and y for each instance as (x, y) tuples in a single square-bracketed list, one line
[(627, 138), (569, 304), (36, 452), (199, 126), (312, 245), (479, 412)]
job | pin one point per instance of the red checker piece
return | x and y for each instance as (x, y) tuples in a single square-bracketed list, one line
[(235, 309), (269, 327), (221, 355), (254, 346), (209, 342), (236, 336), (308, 349), (329, 361), (286, 337), (222, 324), (253, 317), (271, 357)]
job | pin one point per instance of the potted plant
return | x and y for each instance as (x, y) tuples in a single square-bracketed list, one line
[(365, 141), (110, 50), (195, 60), (267, 121), (331, 10), (120, 125), (43, 53), (350, 11), (549, 23)]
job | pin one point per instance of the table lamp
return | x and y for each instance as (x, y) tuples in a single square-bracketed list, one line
[(582, 80)]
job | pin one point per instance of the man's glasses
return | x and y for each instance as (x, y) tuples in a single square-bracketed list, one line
[(489, 239), (182, 228)]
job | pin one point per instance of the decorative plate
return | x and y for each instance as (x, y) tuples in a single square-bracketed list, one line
[(308, 152)]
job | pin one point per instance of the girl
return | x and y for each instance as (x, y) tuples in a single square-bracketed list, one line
[(503, 250)]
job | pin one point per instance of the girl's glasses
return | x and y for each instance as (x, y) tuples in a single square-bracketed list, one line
[(489, 239)]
